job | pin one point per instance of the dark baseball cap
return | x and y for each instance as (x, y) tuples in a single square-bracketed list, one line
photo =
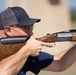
[(16, 16)]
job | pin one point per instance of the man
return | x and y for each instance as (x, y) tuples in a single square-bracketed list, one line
[(14, 21)]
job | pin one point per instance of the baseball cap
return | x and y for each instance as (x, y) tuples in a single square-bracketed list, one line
[(16, 16)]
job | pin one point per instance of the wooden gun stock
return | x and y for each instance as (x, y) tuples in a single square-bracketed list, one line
[(49, 38)]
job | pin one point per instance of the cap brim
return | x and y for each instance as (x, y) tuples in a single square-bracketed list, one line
[(31, 21)]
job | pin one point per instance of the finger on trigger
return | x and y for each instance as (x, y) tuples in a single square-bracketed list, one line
[(46, 44)]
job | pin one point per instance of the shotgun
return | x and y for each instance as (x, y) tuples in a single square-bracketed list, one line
[(11, 45), (55, 37)]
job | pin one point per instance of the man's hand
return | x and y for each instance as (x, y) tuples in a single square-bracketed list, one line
[(35, 46)]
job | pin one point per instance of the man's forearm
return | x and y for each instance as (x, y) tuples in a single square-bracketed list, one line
[(63, 60), (68, 58), (13, 64)]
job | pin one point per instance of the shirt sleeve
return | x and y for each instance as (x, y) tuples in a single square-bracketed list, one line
[(40, 62), (36, 64)]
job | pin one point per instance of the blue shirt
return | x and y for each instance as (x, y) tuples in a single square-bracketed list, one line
[(35, 64)]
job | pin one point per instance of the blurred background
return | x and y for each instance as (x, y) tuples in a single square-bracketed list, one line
[(55, 15)]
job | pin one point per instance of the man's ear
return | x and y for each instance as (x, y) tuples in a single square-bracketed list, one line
[(7, 30)]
